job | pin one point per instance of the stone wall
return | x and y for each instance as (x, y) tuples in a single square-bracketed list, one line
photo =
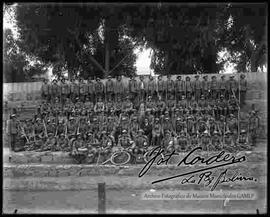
[(31, 157), (61, 164)]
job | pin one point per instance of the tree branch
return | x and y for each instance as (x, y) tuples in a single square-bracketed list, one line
[(93, 60)]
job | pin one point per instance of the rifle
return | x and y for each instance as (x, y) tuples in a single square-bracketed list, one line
[(166, 93), (238, 105), (78, 129), (56, 131), (66, 131), (23, 132), (46, 133), (105, 95), (34, 136)]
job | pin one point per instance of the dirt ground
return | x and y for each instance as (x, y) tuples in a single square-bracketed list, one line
[(118, 201)]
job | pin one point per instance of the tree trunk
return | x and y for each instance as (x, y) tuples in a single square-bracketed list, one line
[(107, 48), (255, 56), (253, 62), (166, 62), (107, 58)]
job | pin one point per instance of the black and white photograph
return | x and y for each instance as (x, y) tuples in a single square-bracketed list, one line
[(135, 108)]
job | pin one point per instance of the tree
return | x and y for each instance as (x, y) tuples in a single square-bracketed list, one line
[(68, 36), (245, 35), (186, 38), (16, 65), (182, 42)]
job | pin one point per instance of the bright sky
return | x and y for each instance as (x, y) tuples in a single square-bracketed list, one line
[(143, 61)]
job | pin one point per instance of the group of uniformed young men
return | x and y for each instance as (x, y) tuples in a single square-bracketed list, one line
[(140, 89), (99, 117)]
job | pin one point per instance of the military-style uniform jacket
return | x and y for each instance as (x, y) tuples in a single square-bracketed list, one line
[(119, 87), (141, 141), (134, 128), (189, 86), (28, 129), (243, 84), (216, 142), (157, 129), (51, 128), (170, 85), (91, 87), (205, 85), (167, 142), (127, 106), (205, 141), (142, 85), (150, 105), (232, 124), (183, 103), (171, 104), (125, 141), (161, 85), (109, 86), (61, 128), (111, 125), (193, 141), (74, 88), (54, 88), (190, 124), (223, 84), (133, 86), (50, 144), (84, 88), (78, 143), (152, 86), (181, 143), (99, 87), (65, 88), (106, 142), (99, 107), (167, 125), (160, 105), (228, 141), (72, 127), (233, 85), (39, 129), (254, 122), (180, 86), (243, 139), (214, 85), (63, 144), (197, 85)]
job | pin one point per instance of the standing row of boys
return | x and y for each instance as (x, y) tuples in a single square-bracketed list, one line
[(140, 89)]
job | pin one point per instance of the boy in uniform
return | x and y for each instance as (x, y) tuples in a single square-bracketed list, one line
[(151, 87), (99, 88), (243, 89), (189, 88), (109, 89), (214, 87), (133, 88), (91, 90), (161, 87), (180, 88), (222, 86), (197, 86), (205, 87)]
